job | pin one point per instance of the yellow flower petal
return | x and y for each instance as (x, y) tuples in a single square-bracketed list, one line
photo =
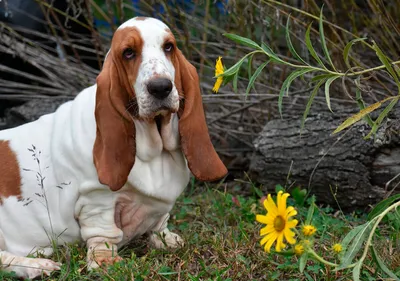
[(217, 84), (268, 219), (219, 67), (270, 205), (290, 212), (261, 219), (292, 223), (279, 243), (282, 203), (289, 235), (271, 241), (269, 237), (266, 230)]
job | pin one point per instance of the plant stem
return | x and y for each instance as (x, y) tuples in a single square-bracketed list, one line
[(340, 73), (378, 220), (321, 259)]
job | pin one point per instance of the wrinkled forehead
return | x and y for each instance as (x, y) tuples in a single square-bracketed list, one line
[(152, 31)]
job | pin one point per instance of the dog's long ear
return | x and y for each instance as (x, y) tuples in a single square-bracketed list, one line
[(202, 158), (114, 148)]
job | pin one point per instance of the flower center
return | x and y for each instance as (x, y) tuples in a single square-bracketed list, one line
[(279, 223)]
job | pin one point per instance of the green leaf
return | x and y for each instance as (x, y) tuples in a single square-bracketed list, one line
[(249, 65), (235, 68), (255, 75), (385, 61), (310, 212), (349, 237), (357, 117), (289, 42), (360, 102), (347, 49), (397, 69), (323, 42), (269, 52), (278, 188), (382, 205), (242, 40), (311, 48), (227, 79), (303, 262), (321, 76), (287, 82), (299, 195), (327, 87), (235, 81), (309, 103), (356, 271), (381, 116), (356, 245), (382, 266)]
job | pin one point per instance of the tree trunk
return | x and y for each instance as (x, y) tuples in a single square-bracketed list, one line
[(343, 166)]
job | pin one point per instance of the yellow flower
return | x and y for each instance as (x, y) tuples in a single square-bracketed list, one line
[(278, 223), (337, 248), (299, 249), (219, 69), (308, 230)]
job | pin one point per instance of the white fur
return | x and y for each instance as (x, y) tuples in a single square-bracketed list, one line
[(154, 63), (79, 207)]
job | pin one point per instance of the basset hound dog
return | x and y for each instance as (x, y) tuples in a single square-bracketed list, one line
[(109, 165)]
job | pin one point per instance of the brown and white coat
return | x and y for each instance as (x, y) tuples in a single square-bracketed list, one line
[(108, 166)]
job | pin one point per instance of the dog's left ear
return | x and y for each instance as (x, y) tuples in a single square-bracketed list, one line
[(203, 160)]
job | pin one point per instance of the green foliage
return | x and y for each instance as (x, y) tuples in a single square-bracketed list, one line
[(382, 206), (322, 74), (355, 245)]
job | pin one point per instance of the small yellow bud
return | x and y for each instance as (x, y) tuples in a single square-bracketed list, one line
[(298, 249), (309, 230), (337, 248)]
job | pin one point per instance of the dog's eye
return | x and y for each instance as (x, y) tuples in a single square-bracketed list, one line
[(128, 54), (168, 47)]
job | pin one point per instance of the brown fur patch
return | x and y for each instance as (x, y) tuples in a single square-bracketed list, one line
[(114, 148), (202, 158), (141, 18), (10, 178)]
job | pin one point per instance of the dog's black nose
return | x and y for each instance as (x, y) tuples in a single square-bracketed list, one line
[(159, 87)]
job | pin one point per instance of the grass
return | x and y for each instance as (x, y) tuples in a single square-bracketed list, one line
[(222, 243)]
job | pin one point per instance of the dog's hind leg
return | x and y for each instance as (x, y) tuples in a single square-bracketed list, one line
[(22, 266)]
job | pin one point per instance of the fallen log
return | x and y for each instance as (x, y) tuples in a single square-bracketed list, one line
[(340, 169)]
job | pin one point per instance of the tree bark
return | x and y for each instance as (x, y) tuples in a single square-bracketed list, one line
[(339, 169)]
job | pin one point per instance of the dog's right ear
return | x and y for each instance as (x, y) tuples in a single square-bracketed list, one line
[(114, 148)]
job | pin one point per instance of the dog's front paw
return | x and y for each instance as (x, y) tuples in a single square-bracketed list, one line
[(31, 267), (97, 260), (166, 238), (101, 254)]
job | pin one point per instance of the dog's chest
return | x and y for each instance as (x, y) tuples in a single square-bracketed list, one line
[(158, 177), (160, 168), (136, 214)]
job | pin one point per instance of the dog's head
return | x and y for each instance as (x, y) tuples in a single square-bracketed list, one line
[(145, 76)]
